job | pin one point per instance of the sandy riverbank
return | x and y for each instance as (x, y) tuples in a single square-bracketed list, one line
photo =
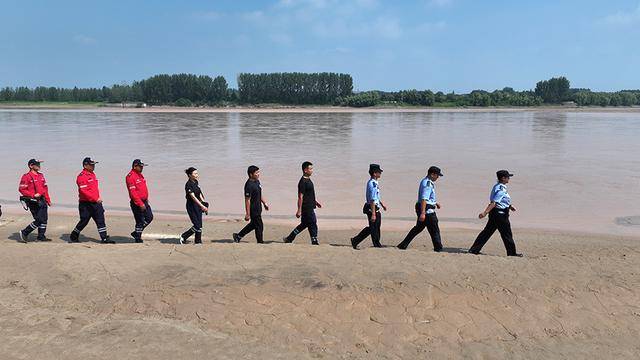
[(572, 296), (313, 109)]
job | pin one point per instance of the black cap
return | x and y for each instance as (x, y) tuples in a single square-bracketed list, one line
[(503, 173), (435, 170), (34, 162), (138, 162), (373, 168), (88, 161)]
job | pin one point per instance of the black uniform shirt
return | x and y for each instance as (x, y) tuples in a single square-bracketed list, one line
[(305, 187), (192, 187), (253, 191)]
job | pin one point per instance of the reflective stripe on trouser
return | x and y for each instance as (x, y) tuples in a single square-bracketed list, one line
[(142, 217), (309, 221), (39, 211), (88, 211), (195, 215)]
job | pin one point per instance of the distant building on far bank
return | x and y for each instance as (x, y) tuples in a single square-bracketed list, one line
[(126, 105)]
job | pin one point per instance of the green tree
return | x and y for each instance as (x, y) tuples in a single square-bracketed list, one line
[(554, 90)]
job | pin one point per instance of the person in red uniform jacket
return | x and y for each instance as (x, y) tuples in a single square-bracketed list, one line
[(90, 203), (139, 195), (35, 193)]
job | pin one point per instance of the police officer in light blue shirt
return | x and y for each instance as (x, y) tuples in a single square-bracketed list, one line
[(371, 209), (498, 211), (426, 211)]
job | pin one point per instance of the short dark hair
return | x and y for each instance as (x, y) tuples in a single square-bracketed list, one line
[(190, 171), (305, 165), (252, 170)]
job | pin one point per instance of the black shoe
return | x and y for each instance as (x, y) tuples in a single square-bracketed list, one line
[(314, 242), (44, 239), (198, 242), (286, 240), (107, 240), (134, 236), (353, 244), (474, 252), (236, 238), (401, 247), (516, 255), (23, 237), (139, 241), (74, 238), (438, 250)]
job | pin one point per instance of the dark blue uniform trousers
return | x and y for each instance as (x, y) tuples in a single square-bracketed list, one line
[(88, 211), (309, 221), (195, 215), (142, 217), (40, 213)]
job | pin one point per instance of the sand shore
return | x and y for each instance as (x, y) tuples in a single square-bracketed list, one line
[(313, 109), (572, 296)]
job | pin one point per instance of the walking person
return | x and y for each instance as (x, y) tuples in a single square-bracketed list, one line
[(306, 206), (426, 211), (89, 203), (35, 194), (196, 206), (253, 202), (372, 209), (498, 211), (139, 195)]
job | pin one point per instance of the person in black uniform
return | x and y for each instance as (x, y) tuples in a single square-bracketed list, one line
[(498, 211), (426, 211), (372, 209), (195, 206), (306, 206), (253, 202)]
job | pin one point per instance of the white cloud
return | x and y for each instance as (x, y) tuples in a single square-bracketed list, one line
[(340, 20), (84, 39), (623, 18)]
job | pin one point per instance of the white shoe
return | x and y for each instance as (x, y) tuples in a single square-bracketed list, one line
[(181, 239)]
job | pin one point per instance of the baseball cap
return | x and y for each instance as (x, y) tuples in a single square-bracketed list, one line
[(88, 161), (503, 173), (34, 162), (374, 168), (435, 170), (138, 162)]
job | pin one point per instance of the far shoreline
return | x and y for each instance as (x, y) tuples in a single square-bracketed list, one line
[(310, 109)]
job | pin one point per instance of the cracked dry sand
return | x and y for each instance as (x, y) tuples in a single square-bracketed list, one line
[(573, 296)]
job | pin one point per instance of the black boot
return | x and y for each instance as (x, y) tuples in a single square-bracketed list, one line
[(107, 240)]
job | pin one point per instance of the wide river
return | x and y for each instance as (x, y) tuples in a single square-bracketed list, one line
[(575, 171)]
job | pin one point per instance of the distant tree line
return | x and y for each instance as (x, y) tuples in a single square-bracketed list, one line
[(157, 90), (311, 89), (550, 92), (293, 88)]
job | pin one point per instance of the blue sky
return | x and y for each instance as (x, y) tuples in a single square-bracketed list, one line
[(457, 45)]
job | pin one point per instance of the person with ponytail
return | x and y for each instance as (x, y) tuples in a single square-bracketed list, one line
[(195, 206)]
